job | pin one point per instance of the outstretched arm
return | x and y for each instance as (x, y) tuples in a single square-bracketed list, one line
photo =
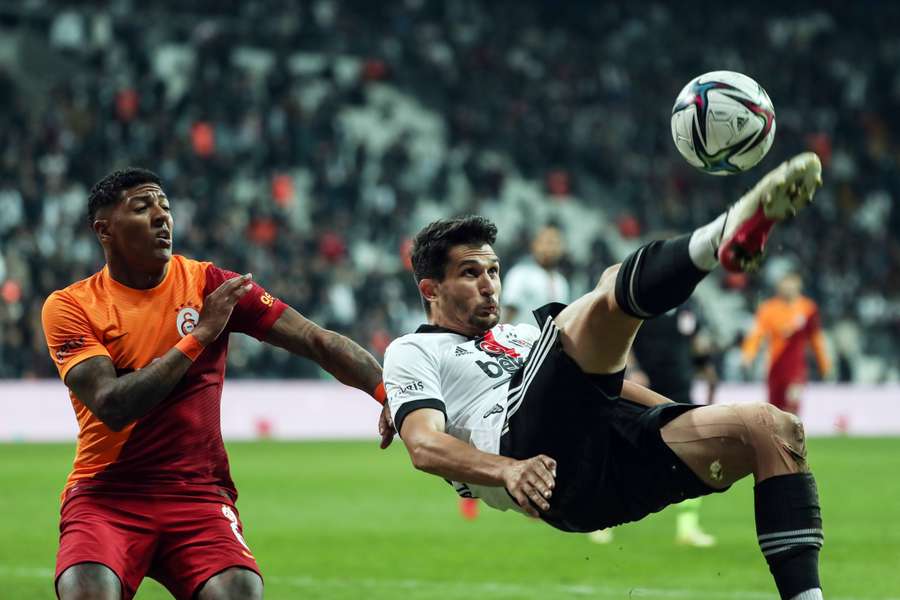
[(342, 357), (529, 481)]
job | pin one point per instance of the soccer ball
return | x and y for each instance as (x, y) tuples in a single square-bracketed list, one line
[(723, 122)]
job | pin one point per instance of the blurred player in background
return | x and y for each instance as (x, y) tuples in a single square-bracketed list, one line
[(787, 323), (531, 283), (541, 421), (536, 279), (668, 352), (141, 345)]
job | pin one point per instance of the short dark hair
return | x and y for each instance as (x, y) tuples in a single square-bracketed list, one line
[(431, 246), (108, 190)]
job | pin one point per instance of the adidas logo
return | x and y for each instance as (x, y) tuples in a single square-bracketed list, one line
[(460, 351), (741, 121)]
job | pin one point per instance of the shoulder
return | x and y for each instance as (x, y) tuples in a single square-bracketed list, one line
[(414, 343), (809, 304), (74, 296)]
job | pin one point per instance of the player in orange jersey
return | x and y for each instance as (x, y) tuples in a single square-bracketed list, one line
[(788, 322), (141, 346)]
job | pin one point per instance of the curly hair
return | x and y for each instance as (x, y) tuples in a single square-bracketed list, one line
[(108, 190)]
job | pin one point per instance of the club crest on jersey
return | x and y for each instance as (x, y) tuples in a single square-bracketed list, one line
[(188, 316)]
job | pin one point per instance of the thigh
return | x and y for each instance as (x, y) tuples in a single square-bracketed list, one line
[(199, 540), (112, 534), (713, 441), (595, 332), (235, 583), (89, 580)]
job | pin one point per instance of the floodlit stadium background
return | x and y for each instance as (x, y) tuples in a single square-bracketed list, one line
[(307, 141)]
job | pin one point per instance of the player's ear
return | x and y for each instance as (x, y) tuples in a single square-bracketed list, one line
[(428, 289), (101, 229)]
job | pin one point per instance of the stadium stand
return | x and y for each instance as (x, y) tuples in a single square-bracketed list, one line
[(306, 141)]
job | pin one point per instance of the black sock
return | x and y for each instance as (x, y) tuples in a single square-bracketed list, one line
[(657, 277), (789, 529)]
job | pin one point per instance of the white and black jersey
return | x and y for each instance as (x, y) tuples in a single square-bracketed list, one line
[(465, 378)]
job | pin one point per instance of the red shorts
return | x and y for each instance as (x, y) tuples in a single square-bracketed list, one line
[(785, 394), (180, 542)]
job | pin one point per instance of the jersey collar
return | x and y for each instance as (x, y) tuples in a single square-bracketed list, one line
[(429, 328)]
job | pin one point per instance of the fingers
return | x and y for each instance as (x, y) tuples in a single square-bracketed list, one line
[(549, 464), (534, 489), (386, 428), (234, 289), (538, 493), (526, 505), (242, 284)]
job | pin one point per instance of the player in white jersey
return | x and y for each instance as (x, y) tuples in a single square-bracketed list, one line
[(536, 280), (542, 422)]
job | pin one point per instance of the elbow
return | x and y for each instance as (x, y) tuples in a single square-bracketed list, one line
[(420, 456)]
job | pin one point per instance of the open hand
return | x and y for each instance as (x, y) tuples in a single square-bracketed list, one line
[(217, 308)]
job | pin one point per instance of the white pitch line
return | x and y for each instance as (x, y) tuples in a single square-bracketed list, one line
[(443, 588)]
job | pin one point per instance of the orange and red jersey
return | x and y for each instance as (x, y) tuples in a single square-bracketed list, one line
[(787, 326), (176, 447)]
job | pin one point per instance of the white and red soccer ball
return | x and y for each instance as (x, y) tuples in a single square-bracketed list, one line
[(723, 122)]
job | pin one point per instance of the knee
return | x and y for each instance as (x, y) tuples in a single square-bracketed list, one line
[(607, 282), (775, 426), (603, 296), (790, 429)]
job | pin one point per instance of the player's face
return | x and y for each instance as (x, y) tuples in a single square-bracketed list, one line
[(468, 298), (140, 226), (547, 247), (790, 287)]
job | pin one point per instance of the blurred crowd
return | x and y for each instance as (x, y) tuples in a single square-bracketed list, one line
[(307, 141)]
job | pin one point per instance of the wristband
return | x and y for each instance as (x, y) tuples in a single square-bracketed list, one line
[(379, 394), (190, 347)]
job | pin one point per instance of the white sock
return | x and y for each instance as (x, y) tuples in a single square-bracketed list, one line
[(813, 594), (704, 244)]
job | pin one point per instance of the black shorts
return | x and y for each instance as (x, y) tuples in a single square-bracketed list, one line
[(612, 464)]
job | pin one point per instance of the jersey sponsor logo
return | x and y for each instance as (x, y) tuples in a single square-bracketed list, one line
[(267, 299), (68, 347), (492, 347), (501, 366), (495, 410), (406, 388), (188, 316), (460, 351)]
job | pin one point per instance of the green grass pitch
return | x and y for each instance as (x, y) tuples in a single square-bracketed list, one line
[(345, 520)]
